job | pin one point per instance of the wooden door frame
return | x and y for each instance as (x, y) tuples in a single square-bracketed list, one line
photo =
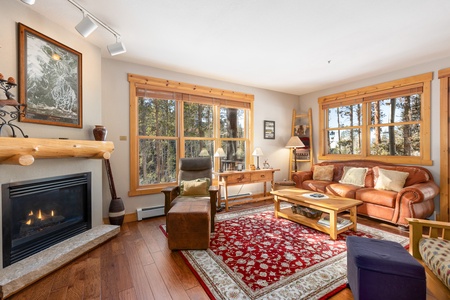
[(444, 76)]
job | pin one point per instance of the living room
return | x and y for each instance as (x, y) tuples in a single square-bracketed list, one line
[(106, 102)]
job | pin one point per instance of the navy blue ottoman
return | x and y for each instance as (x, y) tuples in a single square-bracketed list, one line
[(383, 270)]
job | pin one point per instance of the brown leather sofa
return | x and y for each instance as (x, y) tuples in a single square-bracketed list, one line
[(414, 200)]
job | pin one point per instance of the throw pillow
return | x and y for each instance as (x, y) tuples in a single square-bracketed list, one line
[(354, 176), (390, 180), (323, 173), (196, 187)]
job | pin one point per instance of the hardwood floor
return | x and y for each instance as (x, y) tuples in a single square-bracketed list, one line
[(137, 264)]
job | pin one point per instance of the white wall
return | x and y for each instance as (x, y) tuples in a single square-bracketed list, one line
[(11, 13), (311, 100), (269, 105)]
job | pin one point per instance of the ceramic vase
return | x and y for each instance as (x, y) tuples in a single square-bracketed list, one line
[(99, 132), (116, 211)]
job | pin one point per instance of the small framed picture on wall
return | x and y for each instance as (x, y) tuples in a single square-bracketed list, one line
[(269, 130)]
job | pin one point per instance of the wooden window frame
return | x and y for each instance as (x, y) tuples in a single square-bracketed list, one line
[(367, 94), (200, 94)]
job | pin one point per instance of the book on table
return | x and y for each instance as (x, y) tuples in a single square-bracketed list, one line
[(341, 222)]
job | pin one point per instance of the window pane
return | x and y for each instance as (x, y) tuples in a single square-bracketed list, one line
[(345, 116), (235, 151), (156, 117), (232, 122), (401, 109), (345, 142), (198, 120), (157, 161), (401, 140)]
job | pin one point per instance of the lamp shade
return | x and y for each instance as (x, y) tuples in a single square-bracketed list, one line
[(295, 142), (86, 26), (204, 152), (257, 152), (219, 153)]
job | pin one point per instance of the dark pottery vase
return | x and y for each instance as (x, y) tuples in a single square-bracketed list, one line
[(100, 132), (116, 211)]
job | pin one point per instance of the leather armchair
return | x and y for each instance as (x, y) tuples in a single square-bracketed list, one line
[(191, 169)]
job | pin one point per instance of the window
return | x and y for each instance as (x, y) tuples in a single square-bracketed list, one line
[(388, 121), (169, 120)]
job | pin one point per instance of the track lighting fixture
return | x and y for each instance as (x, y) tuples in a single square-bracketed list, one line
[(86, 26), (29, 2), (89, 24), (117, 48)]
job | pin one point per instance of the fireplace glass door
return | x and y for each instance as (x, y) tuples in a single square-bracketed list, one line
[(40, 213)]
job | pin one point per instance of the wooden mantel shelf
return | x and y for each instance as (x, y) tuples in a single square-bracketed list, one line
[(23, 151)]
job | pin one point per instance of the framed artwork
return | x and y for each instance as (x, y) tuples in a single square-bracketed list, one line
[(49, 80), (269, 130)]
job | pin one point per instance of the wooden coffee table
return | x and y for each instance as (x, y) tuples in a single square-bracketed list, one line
[(329, 204)]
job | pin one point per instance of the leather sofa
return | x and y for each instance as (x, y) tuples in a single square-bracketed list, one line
[(415, 199)]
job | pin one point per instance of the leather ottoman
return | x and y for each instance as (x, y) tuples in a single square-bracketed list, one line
[(378, 269), (189, 225)]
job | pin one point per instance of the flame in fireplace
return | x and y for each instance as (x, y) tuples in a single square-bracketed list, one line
[(31, 213), (39, 215), (28, 222)]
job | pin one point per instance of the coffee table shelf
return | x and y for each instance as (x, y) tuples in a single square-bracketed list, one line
[(332, 205), (286, 213)]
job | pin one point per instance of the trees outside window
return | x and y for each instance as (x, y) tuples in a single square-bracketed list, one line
[(388, 121), (168, 123)]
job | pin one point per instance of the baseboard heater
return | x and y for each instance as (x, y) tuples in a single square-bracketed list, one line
[(148, 212)]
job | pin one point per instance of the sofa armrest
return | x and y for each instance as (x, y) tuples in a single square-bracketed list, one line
[(299, 177), (419, 192), (433, 229), (416, 201), (170, 193)]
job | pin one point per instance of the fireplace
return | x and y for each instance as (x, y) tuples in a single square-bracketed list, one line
[(40, 213)]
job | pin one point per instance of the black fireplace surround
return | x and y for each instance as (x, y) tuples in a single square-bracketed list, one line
[(37, 214)]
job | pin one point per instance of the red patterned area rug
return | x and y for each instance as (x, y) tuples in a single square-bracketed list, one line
[(252, 255)]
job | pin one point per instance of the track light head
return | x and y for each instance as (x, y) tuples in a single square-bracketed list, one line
[(117, 48), (29, 2), (86, 26)]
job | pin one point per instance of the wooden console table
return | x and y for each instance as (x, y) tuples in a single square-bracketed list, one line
[(227, 179)]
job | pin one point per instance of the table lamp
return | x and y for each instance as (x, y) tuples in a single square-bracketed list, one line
[(294, 143), (258, 152), (220, 153)]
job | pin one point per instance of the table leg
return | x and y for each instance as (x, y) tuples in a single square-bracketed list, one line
[(225, 190), (276, 206), (333, 225), (354, 217)]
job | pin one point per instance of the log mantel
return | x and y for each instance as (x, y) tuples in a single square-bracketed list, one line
[(23, 151)]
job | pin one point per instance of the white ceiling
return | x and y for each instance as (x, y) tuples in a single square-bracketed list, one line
[(292, 46)]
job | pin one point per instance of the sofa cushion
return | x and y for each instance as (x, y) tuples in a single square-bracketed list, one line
[(315, 185), (355, 176), (342, 190), (436, 255), (323, 173), (196, 187), (378, 197), (390, 180)]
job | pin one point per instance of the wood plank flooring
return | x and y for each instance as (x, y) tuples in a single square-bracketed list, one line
[(137, 264)]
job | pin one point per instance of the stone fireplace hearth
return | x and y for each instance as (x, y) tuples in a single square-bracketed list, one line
[(23, 273)]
